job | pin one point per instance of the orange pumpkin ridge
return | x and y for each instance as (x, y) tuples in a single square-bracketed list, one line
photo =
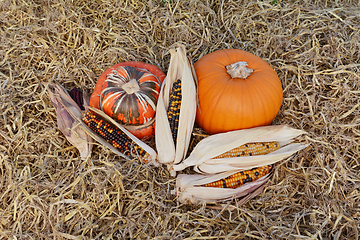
[(228, 103)]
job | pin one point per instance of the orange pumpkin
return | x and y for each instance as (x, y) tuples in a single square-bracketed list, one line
[(128, 93), (236, 90)]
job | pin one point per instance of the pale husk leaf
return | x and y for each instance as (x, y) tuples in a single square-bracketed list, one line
[(68, 124), (188, 108), (164, 143)]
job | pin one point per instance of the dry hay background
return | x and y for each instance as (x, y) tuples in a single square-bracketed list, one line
[(47, 192)]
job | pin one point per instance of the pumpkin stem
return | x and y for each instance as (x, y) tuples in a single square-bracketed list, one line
[(131, 87), (239, 70)]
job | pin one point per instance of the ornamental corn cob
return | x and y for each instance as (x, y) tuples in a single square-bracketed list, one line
[(251, 149), (240, 178), (115, 136), (173, 111), (173, 129)]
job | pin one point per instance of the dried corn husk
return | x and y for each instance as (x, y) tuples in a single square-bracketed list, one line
[(189, 189), (180, 68), (67, 124), (202, 157)]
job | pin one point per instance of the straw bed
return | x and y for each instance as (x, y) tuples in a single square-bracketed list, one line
[(47, 192)]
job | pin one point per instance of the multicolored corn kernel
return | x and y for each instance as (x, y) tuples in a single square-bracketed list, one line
[(113, 135), (173, 111), (251, 149), (240, 178)]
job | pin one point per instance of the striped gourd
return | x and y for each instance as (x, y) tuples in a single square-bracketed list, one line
[(115, 136), (128, 92), (173, 112)]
